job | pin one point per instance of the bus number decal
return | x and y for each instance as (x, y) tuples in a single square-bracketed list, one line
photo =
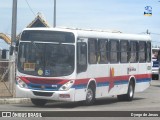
[(29, 66)]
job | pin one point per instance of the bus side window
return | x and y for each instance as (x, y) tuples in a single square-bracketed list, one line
[(148, 52), (114, 47), (81, 57), (124, 54), (142, 55), (103, 54), (133, 52), (92, 51)]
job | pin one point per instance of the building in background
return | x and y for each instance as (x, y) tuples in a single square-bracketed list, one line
[(39, 21), (5, 40)]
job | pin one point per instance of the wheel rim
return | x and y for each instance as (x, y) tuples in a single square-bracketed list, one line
[(89, 95), (131, 91)]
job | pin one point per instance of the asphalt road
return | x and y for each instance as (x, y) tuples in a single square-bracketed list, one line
[(149, 100)]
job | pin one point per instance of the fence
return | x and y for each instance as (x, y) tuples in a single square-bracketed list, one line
[(7, 78)]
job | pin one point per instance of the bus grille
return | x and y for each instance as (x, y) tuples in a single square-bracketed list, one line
[(48, 94)]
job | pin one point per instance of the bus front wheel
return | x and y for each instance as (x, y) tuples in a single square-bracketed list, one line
[(39, 102), (90, 95)]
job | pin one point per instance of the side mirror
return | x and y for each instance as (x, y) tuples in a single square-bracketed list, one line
[(11, 50), (17, 44)]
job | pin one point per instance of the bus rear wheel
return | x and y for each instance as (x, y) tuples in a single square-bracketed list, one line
[(130, 93), (39, 102)]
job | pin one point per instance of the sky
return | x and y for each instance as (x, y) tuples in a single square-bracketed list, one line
[(126, 16)]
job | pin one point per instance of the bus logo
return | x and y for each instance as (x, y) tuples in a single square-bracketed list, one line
[(42, 87), (130, 69), (6, 114), (148, 11)]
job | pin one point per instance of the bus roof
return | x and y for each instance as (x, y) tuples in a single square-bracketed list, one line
[(83, 33), (155, 48)]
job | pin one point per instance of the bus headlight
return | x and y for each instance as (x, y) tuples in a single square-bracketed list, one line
[(21, 83), (67, 85)]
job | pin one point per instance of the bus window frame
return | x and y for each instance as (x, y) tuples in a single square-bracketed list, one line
[(144, 52), (111, 52), (81, 48), (136, 51), (148, 55), (126, 51), (91, 50), (100, 52)]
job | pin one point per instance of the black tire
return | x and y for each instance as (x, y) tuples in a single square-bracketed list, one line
[(90, 95), (39, 102), (120, 97), (155, 77), (130, 93)]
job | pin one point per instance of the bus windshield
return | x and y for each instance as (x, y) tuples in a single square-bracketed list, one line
[(46, 59)]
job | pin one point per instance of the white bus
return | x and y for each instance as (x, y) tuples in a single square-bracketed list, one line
[(81, 65)]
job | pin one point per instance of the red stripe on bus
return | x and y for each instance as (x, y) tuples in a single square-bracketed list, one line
[(82, 81)]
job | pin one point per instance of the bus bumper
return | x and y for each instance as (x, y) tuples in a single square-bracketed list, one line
[(68, 95), (155, 71)]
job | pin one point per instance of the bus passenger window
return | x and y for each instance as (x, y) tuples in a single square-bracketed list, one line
[(114, 51), (103, 54), (142, 55), (124, 51), (92, 51), (148, 51), (81, 57), (133, 52)]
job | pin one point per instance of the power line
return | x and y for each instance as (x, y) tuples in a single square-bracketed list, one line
[(142, 33), (156, 42), (30, 8), (149, 33), (155, 33)]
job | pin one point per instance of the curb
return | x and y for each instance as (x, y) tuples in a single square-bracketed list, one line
[(14, 100)]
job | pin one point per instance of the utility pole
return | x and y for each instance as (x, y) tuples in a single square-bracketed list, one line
[(54, 14), (14, 22), (12, 55), (147, 31)]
